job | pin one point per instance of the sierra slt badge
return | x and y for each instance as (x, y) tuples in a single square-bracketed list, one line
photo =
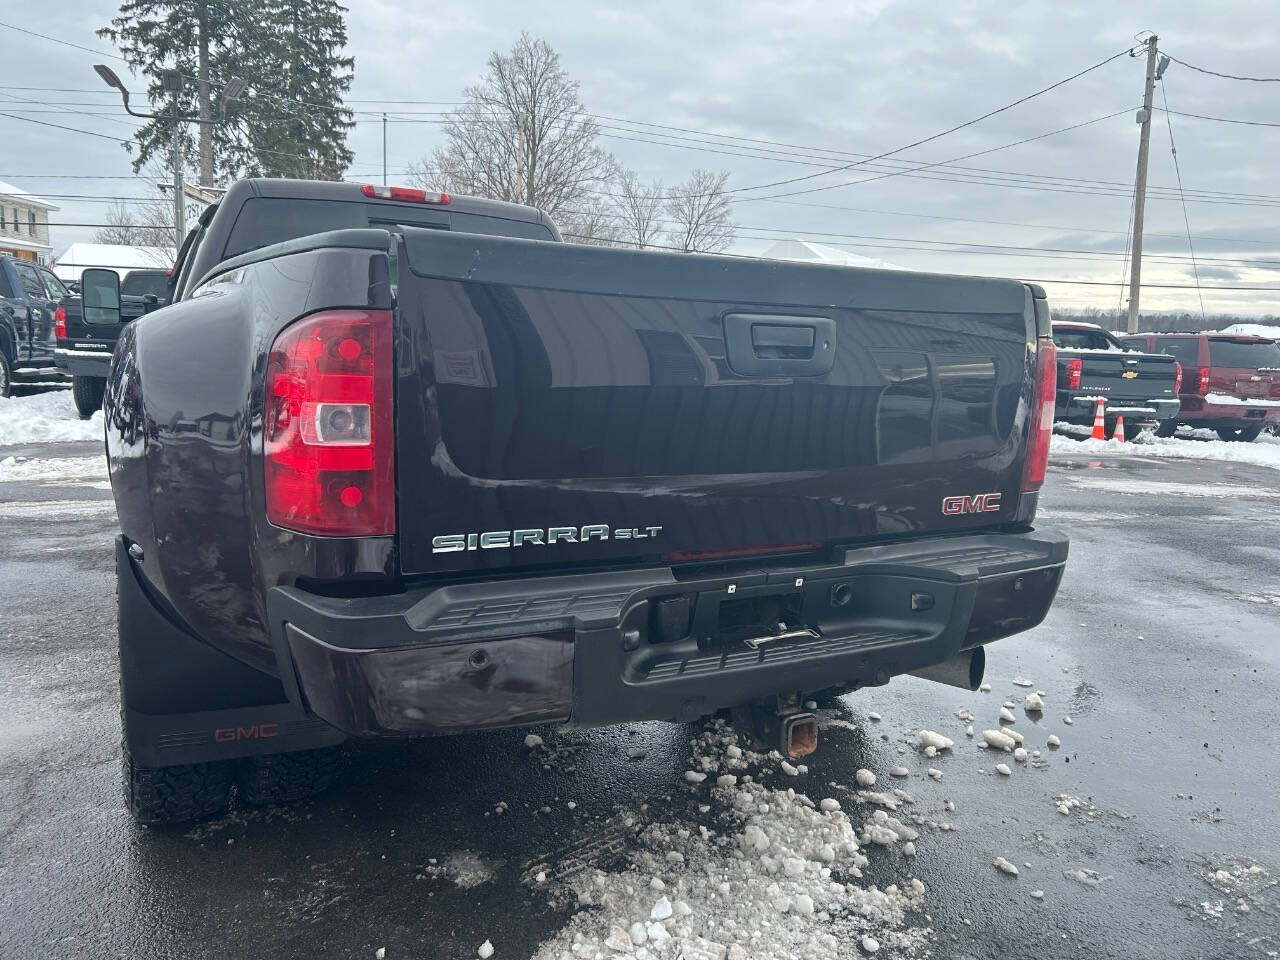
[(978, 503), (538, 537)]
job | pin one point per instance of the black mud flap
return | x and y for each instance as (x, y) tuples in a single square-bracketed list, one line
[(183, 702)]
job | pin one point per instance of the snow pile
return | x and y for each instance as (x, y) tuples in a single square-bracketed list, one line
[(1250, 330), (45, 418), (53, 469), (771, 874), (1263, 453)]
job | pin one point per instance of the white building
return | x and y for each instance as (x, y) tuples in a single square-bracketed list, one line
[(114, 256), (24, 224)]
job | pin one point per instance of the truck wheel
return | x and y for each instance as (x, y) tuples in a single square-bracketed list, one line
[(1167, 428), (6, 376), (286, 777), (87, 393), (193, 791), (1238, 434)]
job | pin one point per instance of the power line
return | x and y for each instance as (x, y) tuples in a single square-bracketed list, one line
[(1168, 124), (65, 43), (1201, 116), (1215, 73), (46, 123)]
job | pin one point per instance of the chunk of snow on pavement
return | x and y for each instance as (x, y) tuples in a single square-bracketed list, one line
[(465, 869), (661, 909), (873, 717), (532, 740), (935, 773), (936, 740), (870, 944), (1089, 878), (485, 950), (1068, 721), (881, 799), (1053, 740), (694, 776), (1033, 703), (1020, 754), (865, 778), (1037, 894), (984, 687), (48, 417), (1007, 715), (899, 772), (829, 805), (999, 739), (1003, 770), (968, 731), (1004, 866), (380, 953), (788, 769), (1021, 682)]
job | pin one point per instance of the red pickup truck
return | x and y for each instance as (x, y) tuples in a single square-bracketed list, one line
[(1231, 383)]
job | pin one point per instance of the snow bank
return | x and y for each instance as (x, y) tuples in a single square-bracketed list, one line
[(768, 874), (52, 469), (1264, 453), (45, 418)]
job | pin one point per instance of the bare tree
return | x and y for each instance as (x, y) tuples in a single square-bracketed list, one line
[(639, 209), (147, 224), (521, 135), (702, 213), (593, 221)]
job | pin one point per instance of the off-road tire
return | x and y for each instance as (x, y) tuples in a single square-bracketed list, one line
[(6, 374), (1167, 428), (286, 777), (1238, 434), (181, 794), (87, 393)]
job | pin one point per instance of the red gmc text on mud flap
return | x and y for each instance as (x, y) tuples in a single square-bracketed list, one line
[(256, 731), (978, 503)]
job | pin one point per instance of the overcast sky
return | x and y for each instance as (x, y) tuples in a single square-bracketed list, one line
[(859, 77)]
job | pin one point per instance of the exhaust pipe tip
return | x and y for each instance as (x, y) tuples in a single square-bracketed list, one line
[(965, 670), (799, 735)]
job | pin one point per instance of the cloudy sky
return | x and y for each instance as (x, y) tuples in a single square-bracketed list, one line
[(825, 84)]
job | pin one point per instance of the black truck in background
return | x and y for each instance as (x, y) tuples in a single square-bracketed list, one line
[(29, 296), (396, 464), (1093, 365), (86, 334)]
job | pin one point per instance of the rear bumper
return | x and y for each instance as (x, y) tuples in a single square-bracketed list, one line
[(603, 648), (1200, 413), (83, 363), (1082, 409)]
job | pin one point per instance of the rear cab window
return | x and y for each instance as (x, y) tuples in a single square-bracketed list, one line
[(1186, 350), (1258, 354), (140, 283), (263, 221), (1066, 338)]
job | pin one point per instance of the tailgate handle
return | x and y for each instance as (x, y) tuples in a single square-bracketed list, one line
[(768, 345)]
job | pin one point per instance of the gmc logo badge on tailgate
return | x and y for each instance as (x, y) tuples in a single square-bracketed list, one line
[(978, 503)]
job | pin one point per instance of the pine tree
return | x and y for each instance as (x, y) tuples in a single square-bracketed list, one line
[(301, 130), (290, 121)]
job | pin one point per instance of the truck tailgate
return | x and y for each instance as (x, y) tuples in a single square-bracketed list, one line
[(572, 405), (1121, 375)]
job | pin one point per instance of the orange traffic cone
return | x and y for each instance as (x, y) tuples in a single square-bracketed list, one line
[(1119, 431), (1100, 421)]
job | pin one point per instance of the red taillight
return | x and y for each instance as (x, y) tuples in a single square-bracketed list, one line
[(405, 194), (1075, 367), (60, 323), (328, 426), (1042, 403), (1202, 384), (1177, 377)]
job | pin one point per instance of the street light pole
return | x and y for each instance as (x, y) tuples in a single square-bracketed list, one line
[(171, 81)]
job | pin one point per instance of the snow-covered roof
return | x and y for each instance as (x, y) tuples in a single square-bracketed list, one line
[(115, 256), (805, 251), (1251, 330), (13, 243), (17, 193)]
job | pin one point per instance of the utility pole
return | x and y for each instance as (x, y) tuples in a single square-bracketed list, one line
[(1140, 184), (384, 149), (173, 83)]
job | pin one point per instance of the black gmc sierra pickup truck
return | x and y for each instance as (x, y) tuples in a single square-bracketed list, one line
[(395, 464)]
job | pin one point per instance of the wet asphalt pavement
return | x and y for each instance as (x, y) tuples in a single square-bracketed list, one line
[(1163, 646)]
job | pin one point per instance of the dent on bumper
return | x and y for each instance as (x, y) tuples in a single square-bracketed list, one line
[(592, 649)]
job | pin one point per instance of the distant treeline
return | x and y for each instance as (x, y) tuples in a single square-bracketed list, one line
[(1156, 321)]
